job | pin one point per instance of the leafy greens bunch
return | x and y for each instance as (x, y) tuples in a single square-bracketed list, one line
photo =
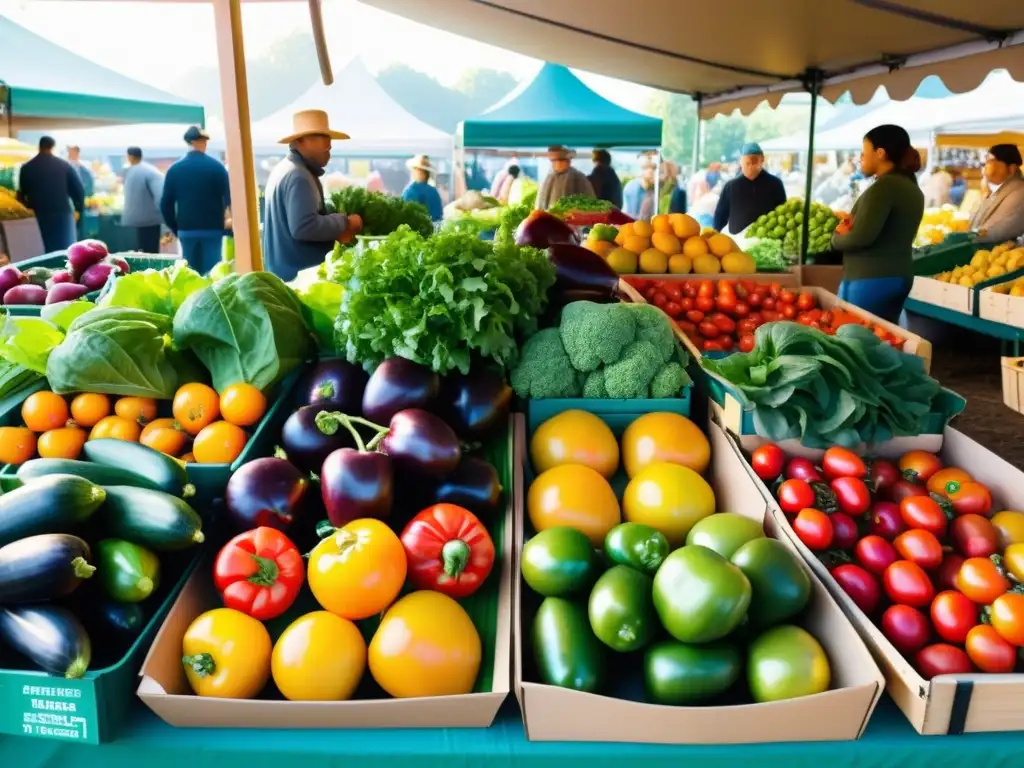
[(382, 214), (571, 203), (833, 390)]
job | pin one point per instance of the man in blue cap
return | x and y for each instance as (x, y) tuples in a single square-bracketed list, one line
[(751, 194), (194, 202)]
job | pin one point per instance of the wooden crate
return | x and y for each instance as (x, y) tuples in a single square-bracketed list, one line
[(1013, 383)]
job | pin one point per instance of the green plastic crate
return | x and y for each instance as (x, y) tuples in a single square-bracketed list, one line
[(956, 250), (618, 414)]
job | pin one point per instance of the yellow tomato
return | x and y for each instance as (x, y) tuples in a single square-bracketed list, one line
[(1013, 560), (1010, 527), (117, 428), (358, 570), (574, 496), (320, 657), (226, 655), (426, 645), (664, 437), (575, 437), (670, 498)]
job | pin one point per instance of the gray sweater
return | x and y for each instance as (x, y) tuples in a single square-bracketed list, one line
[(143, 186), (297, 231)]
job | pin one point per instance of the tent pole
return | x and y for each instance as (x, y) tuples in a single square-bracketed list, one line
[(813, 86), (696, 139)]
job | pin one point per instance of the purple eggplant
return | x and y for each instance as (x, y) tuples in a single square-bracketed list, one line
[(577, 269), (474, 485), (96, 276), (84, 254), (475, 405), (540, 229), (421, 443), (306, 443), (337, 383), (25, 294), (398, 384), (356, 484), (265, 492), (65, 292), (10, 276)]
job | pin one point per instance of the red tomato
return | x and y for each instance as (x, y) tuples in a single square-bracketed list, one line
[(805, 301), (883, 475), (659, 300), (695, 316), (813, 528), (787, 297), (755, 299), (747, 342), (726, 302), (1007, 617), (788, 311), (981, 580), (709, 330), (712, 345), (904, 489), (686, 303), (689, 289), (725, 324), (942, 659), (989, 651), (875, 554), (674, 290), (768, 303), (945, 577), (970, 499), (852, 495), (770, 316), (707, 288), (705, 304), (907, 584), (746, 325), (842, 462), (844, 531), (925, 513), (886, 520), (775, 289), (953, 616), (768, 461), (727, 342), (973, 536), (906, 628), (795, 495), (919, 547), (742, 309), (673, 310), (800, 468), (687, 327), (860, 585), (919, 465)]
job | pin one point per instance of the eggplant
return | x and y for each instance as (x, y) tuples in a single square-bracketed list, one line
[(42, 568), (84, 254), (474, 485), (541, 230), (265, 492), (50, 636), (65, 292), (11, 276), (398, 384), (25, 294), (577, 268), (96, 276), (357, 484), (306, 444), (475, 405), (421, 443), (337, 383)]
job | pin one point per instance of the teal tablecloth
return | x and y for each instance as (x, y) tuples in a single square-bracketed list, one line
[(148, 743)]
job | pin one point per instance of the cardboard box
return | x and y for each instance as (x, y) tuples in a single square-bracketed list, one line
[(822, 276), (953, 297), (1013, 383), (1001, 308), (948, 704), (841, 713)]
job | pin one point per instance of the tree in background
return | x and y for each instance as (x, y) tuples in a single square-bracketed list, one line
[(442, 107)]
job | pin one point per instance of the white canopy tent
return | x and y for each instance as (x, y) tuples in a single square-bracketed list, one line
[(146, 136)]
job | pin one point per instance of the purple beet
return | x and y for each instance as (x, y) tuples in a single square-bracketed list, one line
[(60, 277), (337, 383), (25, 294), (84, 254), (10, 276), (398, 384), (65, 292), (421, 443), (356, 484), (95, 277), (265, 492)]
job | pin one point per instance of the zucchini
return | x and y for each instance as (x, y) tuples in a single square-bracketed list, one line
[(166, 473), (128, 573), (51, 637), (100, 474), (52, 504), (42, 568), (151, 518)]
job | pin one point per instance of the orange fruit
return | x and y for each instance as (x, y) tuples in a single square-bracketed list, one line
[(164, 435), (243, 404), (219, 443), (624, 231), (683, 226), (661, 224), (667, 243), (574, 496), (17, 445), (694, 247), (664, 437), (63, 443), (637, 244), (643, 228), (679, 265), (653, 262), (195, 406), (89, 408), (721, 245), (117, 428), (43, 411), (138, 409), (601, 247)]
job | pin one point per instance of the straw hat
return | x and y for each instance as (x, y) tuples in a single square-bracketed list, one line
[(311, 122), (420, 163), (560, 152)]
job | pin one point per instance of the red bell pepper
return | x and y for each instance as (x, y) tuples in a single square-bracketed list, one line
[(448, 550), (260, 573)]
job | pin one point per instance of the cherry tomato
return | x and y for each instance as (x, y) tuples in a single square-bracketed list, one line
[(711, 345), (659, 300), (672, 309), (727, 342), (860, 585), (742, 309), (981, 580), (707, 288), (970, 499), (842, 462), (788, 311), (775, 289), (919, 465), (942, 659), (852, 495), (686, 303), (885, 520), (725, 324), (875, 554), (919, 547), (705, 304), (755, 299), (795, 495), (802, 469), (989, 651), (973, 536), (746, 325), (945, 577), (804, 301), (770, 316), (695, 316), (813, 528), (925, 513), (1007, 617), (938, 482), (726, 302), (882, 475), (906, 583), (768, 303), (953, 616), (747, 342), (844, 531), (686, 327), (904, 489), (709, 330), (787, 297), (674, 290), (768, 461), (906, 628)]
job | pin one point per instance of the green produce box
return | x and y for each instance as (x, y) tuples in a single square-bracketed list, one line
[(615, 412), (93, 708), (955, 250)]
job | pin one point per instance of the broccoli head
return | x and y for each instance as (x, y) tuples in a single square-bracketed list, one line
[(594, 385), (595, 333), (630, 376), (654, 326), (544, 369), (669, 381)]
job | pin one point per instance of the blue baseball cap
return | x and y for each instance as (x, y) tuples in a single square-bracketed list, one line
[(751, 148), (195, 133)]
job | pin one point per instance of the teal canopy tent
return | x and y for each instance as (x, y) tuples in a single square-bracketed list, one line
[(51, 87)]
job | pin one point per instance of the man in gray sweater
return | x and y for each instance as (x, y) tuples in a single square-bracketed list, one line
[(297, 230), (143, 186)]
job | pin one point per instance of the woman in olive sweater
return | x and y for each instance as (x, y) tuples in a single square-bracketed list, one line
[(878, 246)]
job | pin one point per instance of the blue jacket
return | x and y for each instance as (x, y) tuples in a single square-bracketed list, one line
[(606, 184), (195, 194), (143, 186), (50, 184), (297, 231), (424, 194)]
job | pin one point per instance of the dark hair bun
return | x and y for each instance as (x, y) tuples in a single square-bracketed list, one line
[(911, 161)]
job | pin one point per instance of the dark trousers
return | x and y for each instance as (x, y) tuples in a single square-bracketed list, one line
[(201, 248), (148, 239), (57, 229)]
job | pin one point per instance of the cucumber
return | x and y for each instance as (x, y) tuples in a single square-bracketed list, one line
[(52, 504), (166, 473), (126, 620), (565, 649), (51, 637), (100, 474), (43, 568), (151, 518), (128, 573)]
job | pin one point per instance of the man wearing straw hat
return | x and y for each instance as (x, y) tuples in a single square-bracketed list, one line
[(419, 190), (564, 180), (297, 230)]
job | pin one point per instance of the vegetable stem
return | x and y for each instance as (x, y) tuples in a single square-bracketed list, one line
[(202, 664), (82, 569), (455, 554), (328, 422), (266, 574), (76, 668), (324, 529)]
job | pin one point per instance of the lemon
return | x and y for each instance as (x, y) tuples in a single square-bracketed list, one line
[(622, 261), (653, 262), (679, 264), (707, 265)]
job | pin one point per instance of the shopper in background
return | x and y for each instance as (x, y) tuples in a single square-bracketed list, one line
[(52, 188), (714, 174), (74, 157), (195, 201), (563, 180), (297, 230), (1000, 216), (604, 179), (878, 248), (678, 202), (937, 188), (419, 190), (958, 190), (143, 189), (751, 194), (506, 186)]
